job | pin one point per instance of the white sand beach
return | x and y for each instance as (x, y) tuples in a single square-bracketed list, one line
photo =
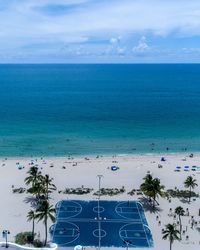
[(75, 172)]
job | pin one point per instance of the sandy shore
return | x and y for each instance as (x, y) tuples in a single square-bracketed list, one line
[(75, 172)]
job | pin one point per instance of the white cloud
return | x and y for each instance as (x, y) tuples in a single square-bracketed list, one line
[(142, 45), (161, 18), (22, 24), (191, 50), (121, 50), (115, 40)]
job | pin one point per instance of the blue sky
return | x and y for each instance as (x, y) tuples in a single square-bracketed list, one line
[(99, 31)]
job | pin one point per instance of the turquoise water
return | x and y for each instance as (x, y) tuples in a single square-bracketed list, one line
[(98, 109)]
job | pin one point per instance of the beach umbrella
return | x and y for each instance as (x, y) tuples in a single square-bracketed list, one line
[(178, 167), (114, 168), (163, 159), (186, 167)]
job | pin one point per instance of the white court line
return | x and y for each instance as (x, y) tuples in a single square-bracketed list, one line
[(123, 220), (143, 226), (128, 207), (63, 236), (132, 230), (136, 238), (74, 213), (76, 220), (119, 209), (123, 237), (66, 207), (71, 211), (97, 236), (64, 230), (57, 219), (120, 213), (125, 231), (69, 236)]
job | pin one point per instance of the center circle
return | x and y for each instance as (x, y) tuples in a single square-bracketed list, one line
[(98, 209), (99, 233)]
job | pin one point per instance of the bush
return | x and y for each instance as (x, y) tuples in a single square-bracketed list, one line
[(37, 243), (110, 191), (132, 192), (23, 238), (176, 193), (78, 191), (19, 190)]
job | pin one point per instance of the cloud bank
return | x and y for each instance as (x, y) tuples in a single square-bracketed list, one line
[(105, 30)]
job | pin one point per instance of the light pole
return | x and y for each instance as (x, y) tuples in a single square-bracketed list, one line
[(99, 196), (5, 235), (99, 223), (127, 242)]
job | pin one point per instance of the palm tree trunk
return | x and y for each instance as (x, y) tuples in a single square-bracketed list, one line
[(47, 196), (33, 229), (180, 225), (154, 201), (45, 241), (170, 246), (190, 194)]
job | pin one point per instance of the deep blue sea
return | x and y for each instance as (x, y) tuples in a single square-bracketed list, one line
[(99, 109)]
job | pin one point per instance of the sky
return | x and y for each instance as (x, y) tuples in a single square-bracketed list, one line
[(99, 31)]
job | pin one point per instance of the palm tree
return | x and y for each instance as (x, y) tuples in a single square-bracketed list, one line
[(190, 183), (34, 179), (180, 212), (37, 190), (157, 189), (145, 186), (31, 216), (152, 188), (171, 233), (45, 211), (34, 176), (49, 187)]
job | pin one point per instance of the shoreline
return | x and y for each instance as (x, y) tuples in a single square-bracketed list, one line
[(93, 156)]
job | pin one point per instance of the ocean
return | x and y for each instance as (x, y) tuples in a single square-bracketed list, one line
[(60, 110)]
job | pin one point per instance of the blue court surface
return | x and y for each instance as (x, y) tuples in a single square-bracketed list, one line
[(110, 224)]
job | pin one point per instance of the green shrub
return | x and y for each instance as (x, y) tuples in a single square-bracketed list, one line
[(37, 243), (176, 193), (132, 192), (19, 190), (78, 191), (110, 191), (23, 238)]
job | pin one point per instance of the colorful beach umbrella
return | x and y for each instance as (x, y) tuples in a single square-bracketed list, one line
[(114, 168)]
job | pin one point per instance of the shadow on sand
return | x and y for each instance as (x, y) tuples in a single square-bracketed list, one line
[(148, 206)]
